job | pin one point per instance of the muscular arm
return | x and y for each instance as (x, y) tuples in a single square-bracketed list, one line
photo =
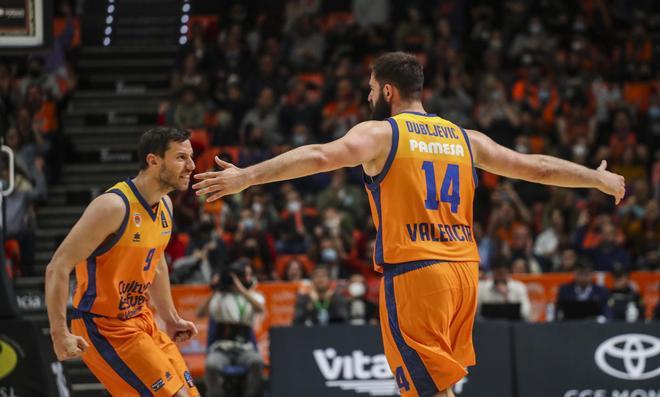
[(362, 144), (538, 168), (102, 218)]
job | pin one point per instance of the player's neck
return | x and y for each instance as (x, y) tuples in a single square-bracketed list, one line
[(413, 106), (149, 188)]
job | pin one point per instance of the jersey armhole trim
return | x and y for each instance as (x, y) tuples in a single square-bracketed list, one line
[(167, 208), (474, 170), (375, 181), (105, 247)]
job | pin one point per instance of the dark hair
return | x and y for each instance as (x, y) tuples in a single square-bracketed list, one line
[(157, 141), (402, 70)]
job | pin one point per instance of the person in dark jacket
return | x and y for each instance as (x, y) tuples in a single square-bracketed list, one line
[(321, 305), (582, 298)]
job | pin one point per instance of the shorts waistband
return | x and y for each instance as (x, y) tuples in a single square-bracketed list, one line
[(76, 314), (395, 269)]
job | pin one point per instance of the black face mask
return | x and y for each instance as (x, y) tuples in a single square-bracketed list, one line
[(381, 109), (250, 252), (34, 73)]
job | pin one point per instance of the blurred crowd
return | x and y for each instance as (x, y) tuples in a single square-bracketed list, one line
[(583, 85), (34, 90)]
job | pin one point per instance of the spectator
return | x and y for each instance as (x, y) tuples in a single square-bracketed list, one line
[(295, 272), (296, 224), (452, 101), (321, 305), (607, 253), (233, 306), (42, 111), (19, 209), (345, 197), (263, 117), (582, 298), (502, 289), (625, 301), (360, 310), (189, 111), (37, 76), (189, 76), (568, 260), (547, 243)]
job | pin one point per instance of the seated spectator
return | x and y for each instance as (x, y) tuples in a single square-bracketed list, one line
[(263, 117), (360, 310), (321, 305), (298, 110), (36, 75), (341, 114), (297, 222), (625, 302), (608, 253), (452, 101), (295, 272), (500, 288), (232, 307), (189, 76), (189, 112), (547, 243), (19, 209), (331, 255), (343, 196), (42, 110), (567, 260), (582, 298)]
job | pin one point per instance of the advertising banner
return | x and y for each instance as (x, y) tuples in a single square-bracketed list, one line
[(346, 360), (588, 359)]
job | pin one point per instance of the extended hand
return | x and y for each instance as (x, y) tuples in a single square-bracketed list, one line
[(69, 346), (229, 180), (611, 183), (181, 330)]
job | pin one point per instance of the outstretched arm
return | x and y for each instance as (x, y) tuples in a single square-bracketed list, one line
[(538, 168), (362, 144)]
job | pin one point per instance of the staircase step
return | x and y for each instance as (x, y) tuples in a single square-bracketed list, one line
[(115, 95), (117, 106), (101, 168), (115, 130), (135, 50)]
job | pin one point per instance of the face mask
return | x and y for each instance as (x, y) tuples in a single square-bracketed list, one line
[(544, 95), (298, 140), (654, 112), (250, 252), (294, 206), (356, 290), (535, 28), (520, 148), (328, 255), (257, 207), (579, 150), (248, 224), (34, 73)]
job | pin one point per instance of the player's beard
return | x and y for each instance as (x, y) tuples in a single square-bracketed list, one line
[(169, 180), (381, 109)]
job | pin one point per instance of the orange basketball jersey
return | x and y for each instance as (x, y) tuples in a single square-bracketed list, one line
[(114, 280), (421, 202)]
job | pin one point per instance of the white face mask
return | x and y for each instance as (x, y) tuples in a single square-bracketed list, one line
[(356, 290), (294, 206)]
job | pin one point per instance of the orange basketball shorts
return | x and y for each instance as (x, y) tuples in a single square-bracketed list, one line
[(427, 311), (132, 357)]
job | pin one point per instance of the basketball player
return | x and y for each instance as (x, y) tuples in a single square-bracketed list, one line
[(116, 248), (420, 179)]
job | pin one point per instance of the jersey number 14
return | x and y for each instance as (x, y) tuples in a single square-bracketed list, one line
[(450, 181)]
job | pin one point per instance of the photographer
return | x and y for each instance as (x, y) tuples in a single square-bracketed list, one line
[(232, 308)]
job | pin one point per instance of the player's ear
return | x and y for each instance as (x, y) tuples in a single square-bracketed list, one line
[(388, 92), (152, 159)]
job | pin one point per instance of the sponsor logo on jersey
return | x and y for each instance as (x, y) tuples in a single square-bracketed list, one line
[(137, 219)]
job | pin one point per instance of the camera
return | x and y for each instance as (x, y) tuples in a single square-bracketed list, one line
[(226, 282)]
